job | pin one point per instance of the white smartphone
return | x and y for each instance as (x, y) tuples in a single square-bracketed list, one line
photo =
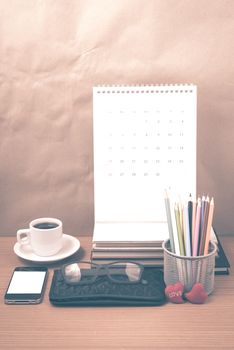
[(27, 285)]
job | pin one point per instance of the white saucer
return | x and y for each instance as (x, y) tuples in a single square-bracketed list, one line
[(70, 245)]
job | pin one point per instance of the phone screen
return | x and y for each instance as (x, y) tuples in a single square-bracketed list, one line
[(27, 282), (26, 285)]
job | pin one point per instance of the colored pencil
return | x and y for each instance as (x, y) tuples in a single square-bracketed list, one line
[(189, 225), (193, 221), (197, 227), (204, 226), (169, 221), (209, 225), (179, 229), (190, 216), (186, 231)]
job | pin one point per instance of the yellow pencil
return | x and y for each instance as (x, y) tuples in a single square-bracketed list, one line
[(179, 231)]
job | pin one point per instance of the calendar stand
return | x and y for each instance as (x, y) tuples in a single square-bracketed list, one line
[(144, 142)]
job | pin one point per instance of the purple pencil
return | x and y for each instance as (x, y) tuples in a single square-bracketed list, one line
[(197, 227)]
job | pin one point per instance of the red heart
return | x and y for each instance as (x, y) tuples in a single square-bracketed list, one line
[(174, 292), (197, 294)]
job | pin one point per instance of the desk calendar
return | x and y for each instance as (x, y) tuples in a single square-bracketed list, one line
[(144, 143)]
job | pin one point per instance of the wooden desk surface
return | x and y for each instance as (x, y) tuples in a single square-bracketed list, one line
[(187, 326)]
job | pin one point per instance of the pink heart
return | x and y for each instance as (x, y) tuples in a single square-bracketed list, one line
[(197, 294), (174, 292)]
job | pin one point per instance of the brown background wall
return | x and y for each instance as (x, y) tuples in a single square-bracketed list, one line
[(51, 55)]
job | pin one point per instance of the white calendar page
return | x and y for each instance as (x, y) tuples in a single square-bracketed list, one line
[(144, 143)]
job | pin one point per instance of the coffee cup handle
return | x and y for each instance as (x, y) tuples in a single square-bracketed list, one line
[(23, 236)]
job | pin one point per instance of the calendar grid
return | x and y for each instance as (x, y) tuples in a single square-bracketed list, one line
[(144, 142)]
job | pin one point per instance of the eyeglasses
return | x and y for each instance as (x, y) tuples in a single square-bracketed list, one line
[(84, 272)]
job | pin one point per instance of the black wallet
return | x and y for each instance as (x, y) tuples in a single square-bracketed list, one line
[(103, 292)]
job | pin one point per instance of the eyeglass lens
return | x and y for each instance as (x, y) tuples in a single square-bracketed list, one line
[(80, 272), (124, 272)]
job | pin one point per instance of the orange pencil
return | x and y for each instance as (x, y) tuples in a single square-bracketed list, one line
[(209, 225)]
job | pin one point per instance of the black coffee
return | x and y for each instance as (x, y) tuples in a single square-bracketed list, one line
[(46, 225)]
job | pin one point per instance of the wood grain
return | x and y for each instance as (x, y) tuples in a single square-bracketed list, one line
[(187, 326)]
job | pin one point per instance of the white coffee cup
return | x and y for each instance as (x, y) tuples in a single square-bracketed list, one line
[(44, 235)]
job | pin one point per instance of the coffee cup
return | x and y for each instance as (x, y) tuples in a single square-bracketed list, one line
[(44, 235)]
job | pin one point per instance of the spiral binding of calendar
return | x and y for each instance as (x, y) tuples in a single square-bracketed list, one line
[(146, 89)]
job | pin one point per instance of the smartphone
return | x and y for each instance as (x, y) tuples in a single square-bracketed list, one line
[(27, 285)]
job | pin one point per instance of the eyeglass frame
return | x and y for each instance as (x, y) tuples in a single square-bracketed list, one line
[(105, 272)]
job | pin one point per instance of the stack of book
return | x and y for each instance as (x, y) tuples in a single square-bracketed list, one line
[(144, 249), (147, 255), (222, 264)]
